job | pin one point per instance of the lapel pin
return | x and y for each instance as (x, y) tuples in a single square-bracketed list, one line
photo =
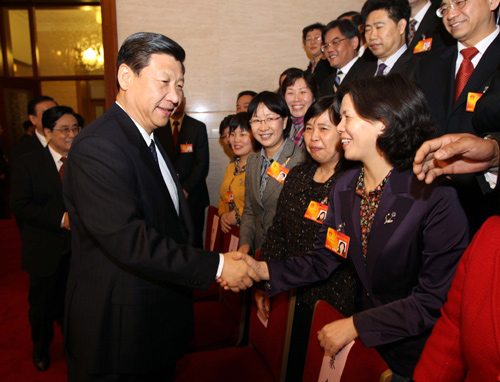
[(389, 218)]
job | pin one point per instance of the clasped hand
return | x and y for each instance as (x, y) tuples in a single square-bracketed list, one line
[(240, 271)]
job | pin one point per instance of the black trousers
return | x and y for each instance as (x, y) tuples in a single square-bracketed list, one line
[(77, 374), (46, 299)]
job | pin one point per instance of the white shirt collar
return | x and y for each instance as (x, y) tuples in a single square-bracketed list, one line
[(392, 59), (420, 15), (56, 156), (345, 69), (482, 45), (41, 138)]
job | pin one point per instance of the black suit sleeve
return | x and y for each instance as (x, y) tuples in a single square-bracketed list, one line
[(486, 118)]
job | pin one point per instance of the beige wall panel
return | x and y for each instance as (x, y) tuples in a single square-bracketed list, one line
[(230, 46)]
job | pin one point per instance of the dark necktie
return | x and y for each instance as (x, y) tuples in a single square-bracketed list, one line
[(61, 169), (153, 151), (465, 70), (411, 34), (380, 70), (175, 132)]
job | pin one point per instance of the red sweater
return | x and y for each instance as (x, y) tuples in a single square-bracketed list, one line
[(465, 343)]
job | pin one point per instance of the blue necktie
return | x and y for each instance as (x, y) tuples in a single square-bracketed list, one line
[(153, 151)]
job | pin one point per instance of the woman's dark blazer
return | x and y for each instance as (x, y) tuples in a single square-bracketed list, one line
[(410, 261)]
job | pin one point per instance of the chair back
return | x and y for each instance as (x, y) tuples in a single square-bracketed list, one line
[(273, 341), (362, 364), (213, 234)]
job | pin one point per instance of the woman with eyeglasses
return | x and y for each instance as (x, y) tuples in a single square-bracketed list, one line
[(270, 123), (301, 210), (232, 191), (299, 89), (403, 237)]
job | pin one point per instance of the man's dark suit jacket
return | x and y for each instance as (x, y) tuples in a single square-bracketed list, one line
[(27, 144), (437, 80), (407, 65), (432, 26), (358, 71), (486, 116), (409, 267), (37, 203), (128, 303), (322, 71)]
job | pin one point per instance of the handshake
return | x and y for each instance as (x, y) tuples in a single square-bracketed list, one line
[(241, 270)]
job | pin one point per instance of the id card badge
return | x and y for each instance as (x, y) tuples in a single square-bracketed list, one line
[(337, 242), (229, 197), (187, 148), (278, 172), (472, 98), (423, 46), (316, 212)]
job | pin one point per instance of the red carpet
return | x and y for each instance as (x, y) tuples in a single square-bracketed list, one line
[(16, 348)]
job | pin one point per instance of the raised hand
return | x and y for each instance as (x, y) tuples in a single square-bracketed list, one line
[(337, 334), (236, 274), (454, 154)]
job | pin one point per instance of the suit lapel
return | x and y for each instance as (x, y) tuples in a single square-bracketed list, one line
[(478, 81), (392, 206), (52, 173), (273, 184)]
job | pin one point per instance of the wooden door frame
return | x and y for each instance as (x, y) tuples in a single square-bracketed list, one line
[(110, 44)]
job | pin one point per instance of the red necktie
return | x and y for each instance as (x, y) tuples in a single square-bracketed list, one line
[(412, 31), (61, 170), (465, 70), (175, 133)]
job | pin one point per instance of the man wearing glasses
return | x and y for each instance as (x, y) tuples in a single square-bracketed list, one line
[(342, 39), (312, 39), (454, 78), (37, 203)]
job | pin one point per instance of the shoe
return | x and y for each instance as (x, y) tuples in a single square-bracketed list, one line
[(43, 363)]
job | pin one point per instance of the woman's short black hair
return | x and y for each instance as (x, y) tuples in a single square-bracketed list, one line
[(224, 124), (310, 28), (401, 106), (241, 120), (293, 76), (52, 115), (274, 102)]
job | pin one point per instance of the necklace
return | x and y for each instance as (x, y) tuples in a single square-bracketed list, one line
[(237, 169)]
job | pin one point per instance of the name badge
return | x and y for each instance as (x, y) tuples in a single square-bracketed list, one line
[(472, 98), (423, 46), (229, 197), (278, 172), (337, 242), (316, 212), (187, 148)]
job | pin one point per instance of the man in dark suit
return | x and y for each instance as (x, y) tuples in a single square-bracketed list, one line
[(312, 40), (187, 149), (37, 203), (29, 143), (386, 31), (129, 310), (342, 39), (452, 76), (424, 24)]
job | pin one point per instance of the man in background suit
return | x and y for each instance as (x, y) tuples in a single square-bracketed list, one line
[(452, 75), (37, 203), (186, 142), (386, 32), (29, 143), (342, 41), (312, 40), (129, 310)]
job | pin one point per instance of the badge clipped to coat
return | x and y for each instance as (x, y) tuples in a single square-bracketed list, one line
[(337, 242), (186, 148), (316, 212), (278, 171)]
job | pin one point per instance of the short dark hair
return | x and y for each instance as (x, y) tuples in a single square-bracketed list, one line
[(309, 28), (27, 124), (137, 49), (35, 101), (274, 102), (346, 27), (241, 120), (354, 16), (397, 10), (81, 121), (400, 104), (52, 115), (224, 124), (308, 77), (246, 92)]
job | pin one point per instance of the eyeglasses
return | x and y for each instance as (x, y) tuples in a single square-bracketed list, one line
[(455, 5), (66, 130), (257, 122), (332, 43), (311, 39)]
